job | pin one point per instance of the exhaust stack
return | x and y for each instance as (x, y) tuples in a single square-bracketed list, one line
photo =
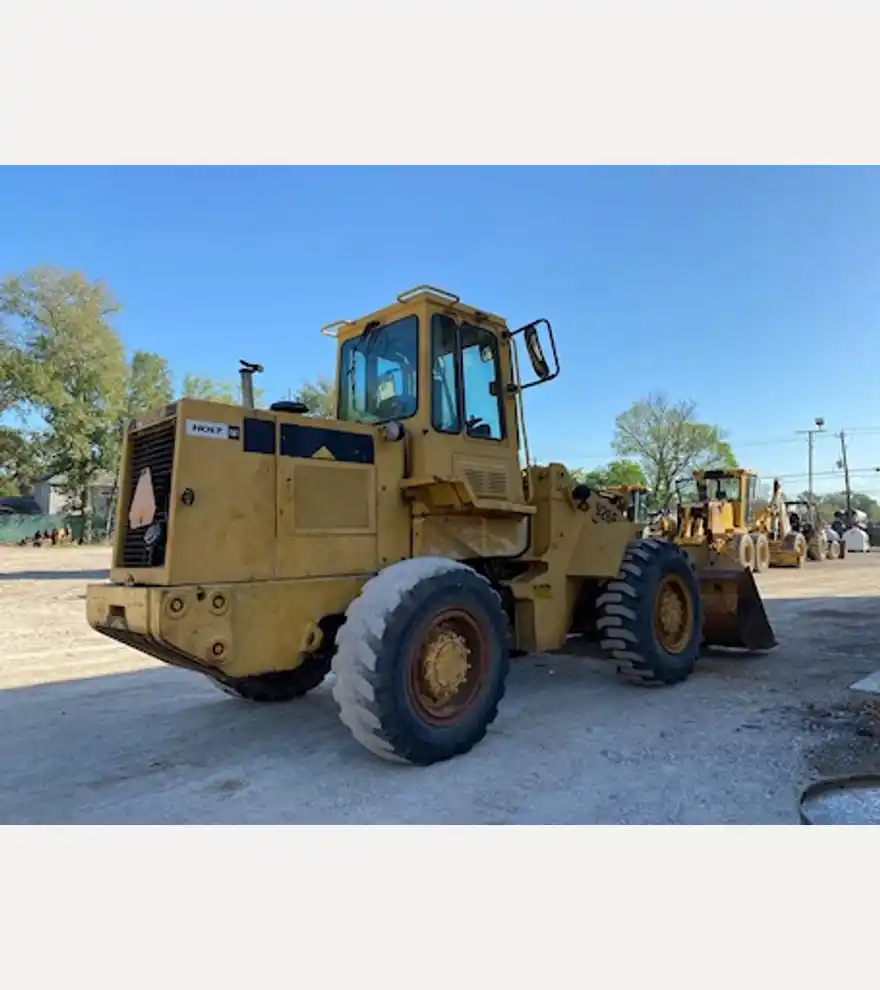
[(247, 372)]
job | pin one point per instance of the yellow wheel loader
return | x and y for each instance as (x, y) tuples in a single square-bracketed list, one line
[(402, 545)]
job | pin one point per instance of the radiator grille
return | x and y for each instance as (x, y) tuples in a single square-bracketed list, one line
[(153, 448), (487, 483)]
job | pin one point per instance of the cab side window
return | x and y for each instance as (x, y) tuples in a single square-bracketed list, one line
[(483, 394), (445, 415)]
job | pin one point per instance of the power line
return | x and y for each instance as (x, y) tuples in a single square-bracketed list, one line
[(764, 442), (825, 474)]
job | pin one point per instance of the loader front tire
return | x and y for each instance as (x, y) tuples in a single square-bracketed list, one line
[(421, 661), (650, 619)]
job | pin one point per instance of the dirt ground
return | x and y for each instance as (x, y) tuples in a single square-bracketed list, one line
[(92, 732)]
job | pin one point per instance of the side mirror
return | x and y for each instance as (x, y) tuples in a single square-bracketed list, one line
[(541, 367), (536, 352)]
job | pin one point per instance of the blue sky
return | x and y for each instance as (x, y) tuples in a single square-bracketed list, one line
[(722, 285)]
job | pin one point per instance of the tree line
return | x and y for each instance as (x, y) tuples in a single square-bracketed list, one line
[(63, 366)]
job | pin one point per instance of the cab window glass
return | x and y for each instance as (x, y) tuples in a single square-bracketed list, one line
[(378, 374), (482, 390), (445, 415)]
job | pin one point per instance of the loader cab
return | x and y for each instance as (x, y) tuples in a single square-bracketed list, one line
[(444, 377)]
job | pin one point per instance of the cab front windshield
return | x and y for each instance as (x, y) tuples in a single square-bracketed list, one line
[(715, 489), (378, 374)]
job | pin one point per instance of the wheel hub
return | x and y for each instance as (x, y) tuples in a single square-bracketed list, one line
[(445, 665), (672, 615)]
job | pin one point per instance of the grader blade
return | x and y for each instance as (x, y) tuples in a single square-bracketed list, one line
[(735, 615)]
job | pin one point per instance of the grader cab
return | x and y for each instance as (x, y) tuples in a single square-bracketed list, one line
[(722, 515), (408, 545)]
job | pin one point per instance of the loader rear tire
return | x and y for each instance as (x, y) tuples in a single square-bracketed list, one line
[(650, 618), (281, 685), (762, 552), (421, 661)]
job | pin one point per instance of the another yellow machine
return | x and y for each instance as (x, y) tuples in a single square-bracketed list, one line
[(787, 545), (632, 500), (724, 515), (401, 545), (721, 515)]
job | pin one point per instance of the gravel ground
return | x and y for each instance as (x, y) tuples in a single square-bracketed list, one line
[(91, 732)]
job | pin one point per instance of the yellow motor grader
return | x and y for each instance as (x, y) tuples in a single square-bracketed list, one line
[(401, 545), (724, 515)]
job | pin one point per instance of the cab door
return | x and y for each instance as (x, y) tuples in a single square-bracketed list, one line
[(471, 439)]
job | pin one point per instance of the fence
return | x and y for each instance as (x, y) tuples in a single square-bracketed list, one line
[(14, 527)]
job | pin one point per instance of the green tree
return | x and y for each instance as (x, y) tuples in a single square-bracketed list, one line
[(23, 460), (320, 397), (619, 472), (197, 387), (668, 441), (149, 384), (67, 362), (830, 502)]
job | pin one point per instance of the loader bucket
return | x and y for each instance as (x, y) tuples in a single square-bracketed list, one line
[(735, 614)]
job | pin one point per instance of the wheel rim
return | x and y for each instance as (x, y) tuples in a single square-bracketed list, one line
[(448, 666), (673, 614)]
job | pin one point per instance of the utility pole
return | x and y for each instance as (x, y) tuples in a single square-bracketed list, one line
[(845, 466), (819, 428)]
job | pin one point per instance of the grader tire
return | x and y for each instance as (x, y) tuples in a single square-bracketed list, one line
[(798, 543), (281, 685), (650, 618), (421, 661), (762, 552), (742, 549)]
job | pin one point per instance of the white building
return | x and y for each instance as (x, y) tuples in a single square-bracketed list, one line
[(49, 493)]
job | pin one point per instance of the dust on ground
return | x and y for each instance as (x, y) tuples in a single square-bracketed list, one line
[(93, 732)]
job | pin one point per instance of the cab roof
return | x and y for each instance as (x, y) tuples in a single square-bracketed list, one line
[(345, 329)]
